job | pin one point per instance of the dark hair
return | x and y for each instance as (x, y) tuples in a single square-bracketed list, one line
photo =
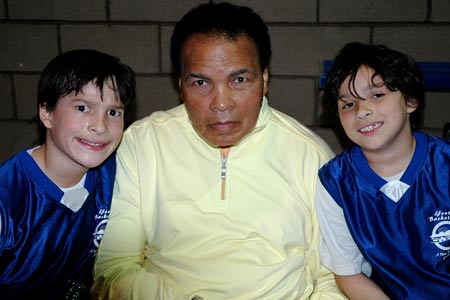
[(222, 19), (398, 71), (72, 70)]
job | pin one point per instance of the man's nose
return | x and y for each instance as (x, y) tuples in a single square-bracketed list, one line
[(222, 99)]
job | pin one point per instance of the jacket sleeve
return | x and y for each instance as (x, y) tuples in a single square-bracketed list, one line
[(120, 271), (325, 287)]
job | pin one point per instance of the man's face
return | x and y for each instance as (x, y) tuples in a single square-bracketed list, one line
[(222, 86)]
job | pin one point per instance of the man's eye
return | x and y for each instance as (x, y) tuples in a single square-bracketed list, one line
[(200, 82), (240, 79)]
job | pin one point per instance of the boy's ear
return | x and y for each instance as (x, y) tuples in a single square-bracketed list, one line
[(45, 115), (411, 105)]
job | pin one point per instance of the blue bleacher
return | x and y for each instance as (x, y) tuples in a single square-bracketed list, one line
[(436, 75)]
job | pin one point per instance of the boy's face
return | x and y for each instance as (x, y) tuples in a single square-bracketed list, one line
[(84, 128), (377, 121)]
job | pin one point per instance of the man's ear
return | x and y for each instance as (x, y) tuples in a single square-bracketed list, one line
[(179, 88), (411, 105), (45, 115), (266, 81)]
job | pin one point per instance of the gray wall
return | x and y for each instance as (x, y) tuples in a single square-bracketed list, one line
[(304, 33)]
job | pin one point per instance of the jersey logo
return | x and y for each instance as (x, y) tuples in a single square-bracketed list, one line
[(440, 236), (101, 220)]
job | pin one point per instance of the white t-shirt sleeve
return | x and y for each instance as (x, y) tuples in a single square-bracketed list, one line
[(338, 251)]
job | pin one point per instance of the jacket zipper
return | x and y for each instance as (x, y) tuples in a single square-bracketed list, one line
[(223, 177)]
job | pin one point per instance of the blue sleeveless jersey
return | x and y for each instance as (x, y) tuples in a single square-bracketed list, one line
[(45, 246), (406, 242)]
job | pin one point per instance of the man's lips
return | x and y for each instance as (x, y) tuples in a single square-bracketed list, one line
[(223, 125)]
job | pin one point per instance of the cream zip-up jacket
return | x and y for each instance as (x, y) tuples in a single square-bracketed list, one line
[(187, 224)]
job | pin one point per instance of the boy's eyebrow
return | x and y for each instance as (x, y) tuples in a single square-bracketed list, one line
[(345, 96), (369, 87), (120, 104)]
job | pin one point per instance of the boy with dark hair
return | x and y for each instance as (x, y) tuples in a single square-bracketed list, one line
[(55, 198), (383, 204)]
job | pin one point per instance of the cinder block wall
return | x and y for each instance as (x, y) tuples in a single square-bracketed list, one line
[(304, 33)]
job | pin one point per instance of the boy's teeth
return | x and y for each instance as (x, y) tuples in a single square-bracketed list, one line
[(92, 144), (370, 128)]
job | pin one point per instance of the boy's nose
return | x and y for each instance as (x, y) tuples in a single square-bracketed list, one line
[(98, 125), (363, 111)]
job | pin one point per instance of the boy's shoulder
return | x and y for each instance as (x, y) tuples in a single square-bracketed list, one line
[(433, 139), (436, 148), (346, 156), (18, 160), (16, 181)]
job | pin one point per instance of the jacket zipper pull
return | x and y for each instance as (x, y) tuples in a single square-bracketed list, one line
[(223, 177)]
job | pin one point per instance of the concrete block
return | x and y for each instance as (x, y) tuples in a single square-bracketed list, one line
[(372, 11), (326, 116), (27, 47), (26, 96), (155, 93), (437, 109), (166, 34), (149, 10), (440, 11), (294, 97), (2, 10), (16, 136), (427, 43), (282, 10), (6, 101), (300, 50), (57, 10), (135, 45), (335, 138)]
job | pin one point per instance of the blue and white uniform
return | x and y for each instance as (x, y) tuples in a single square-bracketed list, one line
[(47, 247), (399, 229)]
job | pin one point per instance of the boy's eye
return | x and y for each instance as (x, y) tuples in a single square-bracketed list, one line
[(347, 105), (377, 95), (82, 108), (114, 113)]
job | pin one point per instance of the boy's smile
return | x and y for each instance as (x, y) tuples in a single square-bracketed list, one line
[(83, 129), (368, 130), (373, 116)]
